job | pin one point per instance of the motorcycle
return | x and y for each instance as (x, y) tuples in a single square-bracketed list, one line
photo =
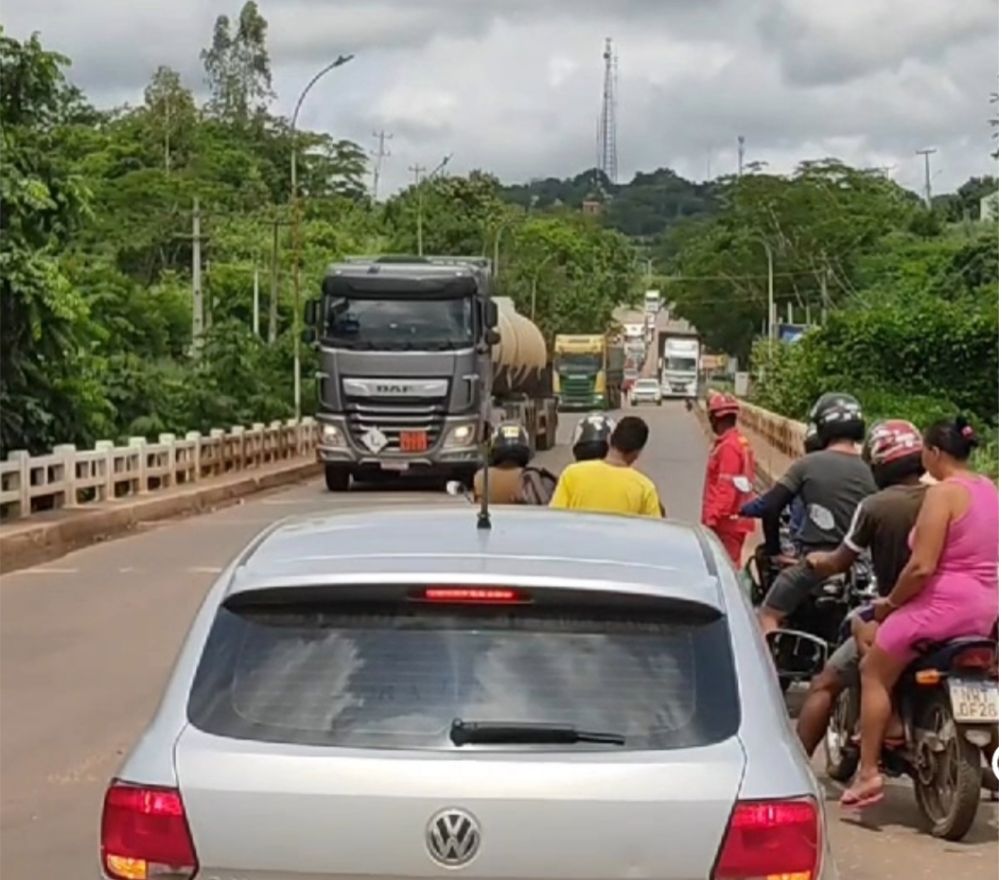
[(948, 704), (801, 648)]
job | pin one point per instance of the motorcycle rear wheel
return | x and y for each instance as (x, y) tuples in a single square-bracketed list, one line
[(949, 802), (841, 756)]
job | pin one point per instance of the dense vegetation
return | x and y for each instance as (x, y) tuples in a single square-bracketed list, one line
[(97, 246), (96, 258), (904, 299)]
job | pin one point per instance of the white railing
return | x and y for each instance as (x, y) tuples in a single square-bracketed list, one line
[(71, 477)]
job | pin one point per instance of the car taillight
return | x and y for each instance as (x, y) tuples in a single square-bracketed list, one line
[(144, 834), (974, 658), (473, 595), (771, 840)]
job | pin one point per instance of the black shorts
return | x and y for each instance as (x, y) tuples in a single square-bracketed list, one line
[(792, 586)]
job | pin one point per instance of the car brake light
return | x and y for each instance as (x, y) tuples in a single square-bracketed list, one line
[(144, 834), (473, 595), (771, 840), (974, 658)]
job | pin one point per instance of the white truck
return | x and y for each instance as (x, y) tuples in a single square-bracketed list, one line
[(679, 350)]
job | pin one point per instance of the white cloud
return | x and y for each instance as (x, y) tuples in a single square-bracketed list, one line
[(513, 86)]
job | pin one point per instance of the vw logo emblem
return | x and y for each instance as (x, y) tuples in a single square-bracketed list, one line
[(453, 838)]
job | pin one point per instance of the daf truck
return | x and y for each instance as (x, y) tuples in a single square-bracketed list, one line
[(416, 361), (588, 371), (678, 361)]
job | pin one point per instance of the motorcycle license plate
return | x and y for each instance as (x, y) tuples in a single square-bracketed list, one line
[(413, 441), (974, 701)]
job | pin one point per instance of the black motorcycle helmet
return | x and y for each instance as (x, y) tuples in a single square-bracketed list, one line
[(510, 445), (812, 441), (591, 437), (838, 416)]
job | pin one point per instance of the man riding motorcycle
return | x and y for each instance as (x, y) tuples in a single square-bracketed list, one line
[(755, 509), (831, 483), (510, 452), (881, 525), (730, 473)]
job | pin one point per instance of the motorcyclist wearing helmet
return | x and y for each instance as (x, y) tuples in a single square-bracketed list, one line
[(730, 473), (591, 437), (881, 525), (831, 483), (509, 454)]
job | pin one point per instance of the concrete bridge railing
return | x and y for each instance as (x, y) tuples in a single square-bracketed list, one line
[(70, 477)]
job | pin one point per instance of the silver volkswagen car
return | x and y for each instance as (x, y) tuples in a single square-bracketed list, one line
[(404, 695)]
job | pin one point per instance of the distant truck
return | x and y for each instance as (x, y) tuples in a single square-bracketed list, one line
[(679, 351), (652, 302), (588, 371), (416, 359)]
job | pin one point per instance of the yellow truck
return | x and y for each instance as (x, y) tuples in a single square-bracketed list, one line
[(588, 371)]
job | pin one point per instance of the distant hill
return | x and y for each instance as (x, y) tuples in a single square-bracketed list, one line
[(643, 208)]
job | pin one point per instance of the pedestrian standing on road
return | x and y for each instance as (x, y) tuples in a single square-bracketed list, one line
[(730, 472), (612, 484)]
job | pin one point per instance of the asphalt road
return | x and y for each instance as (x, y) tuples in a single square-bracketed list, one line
[(86, 642)]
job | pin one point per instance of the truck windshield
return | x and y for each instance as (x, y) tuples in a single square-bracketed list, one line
[(579, 361), (682, 364), (399, 323)]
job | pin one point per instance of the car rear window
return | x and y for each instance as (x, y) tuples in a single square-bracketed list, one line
[(398, 676)]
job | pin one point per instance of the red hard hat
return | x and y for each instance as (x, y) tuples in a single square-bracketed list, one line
[(722, 404), (890, 440)]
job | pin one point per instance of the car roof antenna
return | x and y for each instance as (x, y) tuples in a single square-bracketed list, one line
[(484, 515)]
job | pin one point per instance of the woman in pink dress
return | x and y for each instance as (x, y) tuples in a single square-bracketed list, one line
[(949, 587)]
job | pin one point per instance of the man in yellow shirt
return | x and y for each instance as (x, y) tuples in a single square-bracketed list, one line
[(612, 484)]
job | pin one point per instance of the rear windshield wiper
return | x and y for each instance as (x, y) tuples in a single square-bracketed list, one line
[(464, 733)]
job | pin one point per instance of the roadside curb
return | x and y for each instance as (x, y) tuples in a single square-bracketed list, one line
[(35, 542)]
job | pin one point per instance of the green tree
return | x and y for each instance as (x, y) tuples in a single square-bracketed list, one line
[(171, 109), (237, 66)]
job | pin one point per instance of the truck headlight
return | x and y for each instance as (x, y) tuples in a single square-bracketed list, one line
[(460, 435), (330, 435)]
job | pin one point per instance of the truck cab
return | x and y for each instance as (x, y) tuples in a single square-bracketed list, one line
[(585, 373), (405, 362)]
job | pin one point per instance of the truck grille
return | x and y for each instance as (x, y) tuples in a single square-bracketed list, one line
[(577, 389), (391, 416)]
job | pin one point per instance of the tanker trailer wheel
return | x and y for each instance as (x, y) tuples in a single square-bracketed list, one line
[(337, 478)]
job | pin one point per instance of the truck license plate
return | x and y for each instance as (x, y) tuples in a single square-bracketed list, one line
[(413, 441), (974, 700)]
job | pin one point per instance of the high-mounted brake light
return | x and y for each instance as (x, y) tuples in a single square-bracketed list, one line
[(771, 840), (144, 834), (473, 595)]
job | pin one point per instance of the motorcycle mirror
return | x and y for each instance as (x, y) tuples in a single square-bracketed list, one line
[(455, 488)]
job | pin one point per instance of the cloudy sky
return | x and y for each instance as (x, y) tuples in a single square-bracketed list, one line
[(514, 86)]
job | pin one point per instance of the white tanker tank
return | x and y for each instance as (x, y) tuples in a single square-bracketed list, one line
[(519, 360), (521, 382)]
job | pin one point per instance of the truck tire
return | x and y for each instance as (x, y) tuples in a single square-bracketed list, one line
[(337, 478)]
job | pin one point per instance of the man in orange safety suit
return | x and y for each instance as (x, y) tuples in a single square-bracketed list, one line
[(730, 475)]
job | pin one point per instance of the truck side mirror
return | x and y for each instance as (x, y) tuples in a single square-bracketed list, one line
[(492, 337), (311, 312), (309, 335), (491, 315)]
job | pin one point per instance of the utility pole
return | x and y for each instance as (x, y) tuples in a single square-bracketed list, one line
[(257, 301), (741, 155), (197, 300), (927, 152), (379, 154), (418, 171)]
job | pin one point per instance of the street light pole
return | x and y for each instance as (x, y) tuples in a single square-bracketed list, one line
[(770, 324), (297, 391)]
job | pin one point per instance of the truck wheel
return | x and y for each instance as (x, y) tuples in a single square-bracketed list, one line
[(337, 478)]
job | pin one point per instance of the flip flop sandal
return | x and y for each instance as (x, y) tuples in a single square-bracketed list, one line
[(848, 802)]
